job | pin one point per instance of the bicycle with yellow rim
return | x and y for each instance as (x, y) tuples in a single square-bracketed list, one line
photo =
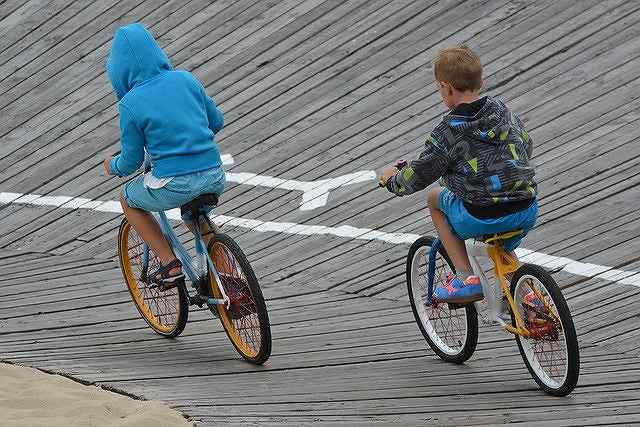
[(524, 300), (220, 275)]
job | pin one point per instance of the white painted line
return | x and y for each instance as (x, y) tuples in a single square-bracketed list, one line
[(227, 159), (315, 194), (6, 198), (550, 261)]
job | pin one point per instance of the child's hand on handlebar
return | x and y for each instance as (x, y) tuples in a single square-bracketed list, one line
[(391, 171), (107, 165), (387, 173)]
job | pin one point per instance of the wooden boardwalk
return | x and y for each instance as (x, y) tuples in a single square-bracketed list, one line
[(315, 89)]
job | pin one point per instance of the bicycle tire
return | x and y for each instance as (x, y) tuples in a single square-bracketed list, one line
[(239, 321), (567, 328), (151, 303), (467, 341)]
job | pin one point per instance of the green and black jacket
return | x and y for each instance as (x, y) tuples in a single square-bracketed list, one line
[(481, 152)]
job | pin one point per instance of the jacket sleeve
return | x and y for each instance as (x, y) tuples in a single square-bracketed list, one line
[(425, 170), (132, 141), (526, 138), (528, 143), (216, 119)]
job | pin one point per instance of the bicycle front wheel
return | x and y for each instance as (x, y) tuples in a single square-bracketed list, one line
[(166, 312), (246, 321), (551, 353), (451, 330)]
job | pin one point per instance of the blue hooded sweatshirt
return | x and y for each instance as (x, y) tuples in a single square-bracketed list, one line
[(163, 110)]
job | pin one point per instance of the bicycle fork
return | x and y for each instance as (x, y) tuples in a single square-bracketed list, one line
[(201, 250), (431, 269), (144, 274)]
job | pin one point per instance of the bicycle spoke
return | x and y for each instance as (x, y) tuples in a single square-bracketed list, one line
[(161, 305), (548, 352), (243, 312), (447, 324)]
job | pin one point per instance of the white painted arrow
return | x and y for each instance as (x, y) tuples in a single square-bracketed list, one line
[(315, 194)]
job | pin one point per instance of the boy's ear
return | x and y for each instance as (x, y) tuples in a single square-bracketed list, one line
[(448, 88)]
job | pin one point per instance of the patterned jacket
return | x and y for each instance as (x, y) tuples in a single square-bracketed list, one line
[(483, 160)]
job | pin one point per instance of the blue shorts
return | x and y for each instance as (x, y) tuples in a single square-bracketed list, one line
[(467, 226), (177, 192)]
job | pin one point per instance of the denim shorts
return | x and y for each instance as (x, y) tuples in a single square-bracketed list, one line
[(177, 192), (467, 226)]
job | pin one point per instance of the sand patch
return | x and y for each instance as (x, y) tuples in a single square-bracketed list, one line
[(32, 398)]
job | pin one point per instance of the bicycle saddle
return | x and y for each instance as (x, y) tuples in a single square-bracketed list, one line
[(200, 201)]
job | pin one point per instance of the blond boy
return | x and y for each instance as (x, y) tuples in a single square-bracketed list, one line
[(481, 153)]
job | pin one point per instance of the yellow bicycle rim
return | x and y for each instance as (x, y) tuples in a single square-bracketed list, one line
[(218, 254), (133, 285)]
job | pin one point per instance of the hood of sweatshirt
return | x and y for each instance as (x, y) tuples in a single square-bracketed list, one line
[(491, 121), (135, 57)]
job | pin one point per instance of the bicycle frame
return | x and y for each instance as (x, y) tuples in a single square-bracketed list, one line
[(182, 254), (504, 265), (185, 258)]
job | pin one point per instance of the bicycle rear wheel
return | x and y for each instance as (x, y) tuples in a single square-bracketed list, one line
[(246, 321), (551, 353), (450, 330), (165, 312)]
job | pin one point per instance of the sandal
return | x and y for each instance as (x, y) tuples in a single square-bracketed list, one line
[(161, 278)]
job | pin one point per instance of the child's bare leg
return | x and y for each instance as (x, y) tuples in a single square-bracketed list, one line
[(148, 228), (207, 232), (454, 246)]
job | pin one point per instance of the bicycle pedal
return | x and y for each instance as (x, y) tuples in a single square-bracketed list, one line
[(455, 306), (201, 288), (164, 286), (198, 300)]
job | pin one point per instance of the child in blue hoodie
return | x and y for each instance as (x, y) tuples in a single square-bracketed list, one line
[(168, 114)]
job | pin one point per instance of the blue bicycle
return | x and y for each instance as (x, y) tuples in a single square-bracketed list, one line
[(221, 278)]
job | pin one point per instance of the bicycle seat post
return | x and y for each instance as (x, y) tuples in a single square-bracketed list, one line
[(201, 248), (491, 286)]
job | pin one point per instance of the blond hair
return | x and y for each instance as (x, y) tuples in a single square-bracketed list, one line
[(459, 67)]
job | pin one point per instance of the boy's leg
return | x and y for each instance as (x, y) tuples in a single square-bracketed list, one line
[(463, 287), (148, 228), (455, 247)]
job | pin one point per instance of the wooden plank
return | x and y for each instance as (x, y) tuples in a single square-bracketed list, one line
[(325, 135), (13, 13), (39, 14)]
